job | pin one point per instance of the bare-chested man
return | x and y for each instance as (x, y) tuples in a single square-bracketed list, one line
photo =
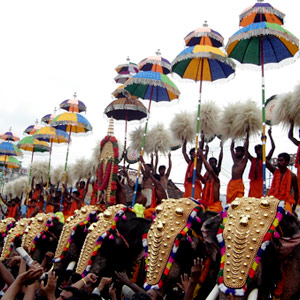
[(235, 187), (256, 169), (162, 175)]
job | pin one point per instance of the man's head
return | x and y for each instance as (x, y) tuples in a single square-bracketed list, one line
[(258, 150), (81, 184), (239, 151), (192, 153), (33, 202), (162, 170), (213, 163), (283, 160), (71, 291), (76, 194), (37, 187)]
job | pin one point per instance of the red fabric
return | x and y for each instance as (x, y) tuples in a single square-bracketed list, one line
[(29, 211), (208, 192), (235, 189), (36, 195), (153, 199), (297, 157), (256, 188), (12, 211), (49, 208), (259, 170), (189, 185), (281, 187)]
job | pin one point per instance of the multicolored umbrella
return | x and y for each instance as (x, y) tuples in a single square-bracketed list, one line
[(9, 162), (261, 12), (49, 117), (9, 136), (260, 44), (128, 68), (127, 110), (155, 64), (150, 86), (73, 105), (32, 129), (9, 149), (204, 36), (202, 63), (122, 78)]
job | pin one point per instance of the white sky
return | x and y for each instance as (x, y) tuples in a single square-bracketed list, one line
[(50, 49)]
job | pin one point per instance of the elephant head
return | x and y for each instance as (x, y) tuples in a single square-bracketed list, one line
[(5, 226)]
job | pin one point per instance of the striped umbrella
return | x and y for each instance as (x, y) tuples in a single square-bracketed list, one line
[(261, 12), (9, 136), (202, 63), (10, 149), (32, 129), (204, 36), (73, 105), (128, 68), (263, 44), (155, 64), (49, 117), (9, 162), (121, 92)]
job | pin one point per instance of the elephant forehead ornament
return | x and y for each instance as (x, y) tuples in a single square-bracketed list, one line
[(173, 220), (80, 218), (13, 233), (97, 232), (36, 226), (248, 225), (5, 225)]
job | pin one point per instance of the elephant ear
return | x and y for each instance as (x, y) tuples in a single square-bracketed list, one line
[(209, 231)]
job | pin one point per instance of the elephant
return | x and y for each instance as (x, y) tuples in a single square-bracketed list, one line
[(5, 225), (274, 249)]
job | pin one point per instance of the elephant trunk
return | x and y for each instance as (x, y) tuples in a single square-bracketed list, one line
[(213, 295)]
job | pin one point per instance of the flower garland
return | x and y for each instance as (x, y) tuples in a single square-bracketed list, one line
[(83, 223), (266, 240), (49, 223), (193, 216), (109, 234)]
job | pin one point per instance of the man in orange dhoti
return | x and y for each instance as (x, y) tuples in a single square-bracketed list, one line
[(256, 169), (284, 184), (235, 187), (211, 191), (297, 143), (188, 181)]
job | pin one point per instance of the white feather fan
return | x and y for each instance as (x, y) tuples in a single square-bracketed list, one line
[(8, 190), (40, 171), (57, 175), (159, 139), (79, 169), (20, 186), (136, 138), (247, 114), (96, 152), (182, 127), (283, 111), (295, 105)]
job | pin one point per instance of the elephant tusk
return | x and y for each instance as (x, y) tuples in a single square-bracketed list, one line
[(71, 266), (213, 294), (253, 295)]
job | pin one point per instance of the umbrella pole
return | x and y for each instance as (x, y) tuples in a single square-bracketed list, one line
[(142, 151), (197, 132), (125, 140), (263, 117), (29, 182), (48, 178), (65, 169)]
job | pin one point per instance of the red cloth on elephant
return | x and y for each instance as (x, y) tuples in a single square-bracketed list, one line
[(235, 189), (256, 178), (189, 185), (281, 188)]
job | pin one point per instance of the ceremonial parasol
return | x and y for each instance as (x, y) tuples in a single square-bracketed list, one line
[(261, 12), (49, 117), (260, 44), (73, 105), (9, 149), (202, 63), (127, 110), (204, 36), (155, 64), (71, 123), (32, 129), (121, 92), (128, 68), (9, 162), (9, 136), (150, 86)]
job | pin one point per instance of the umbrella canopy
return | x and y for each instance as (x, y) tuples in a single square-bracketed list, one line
[(152, 86), (155, 64), (278, 44), (204, 36), (9, 136), (10, 149), (122, 78), (32, 129), (49, 117), (71, 122), (128, 68), (73, 105), (29, 143), (121, 92), (261, 12), (9, 162), (126, 109), (213, 61), (51, 135)]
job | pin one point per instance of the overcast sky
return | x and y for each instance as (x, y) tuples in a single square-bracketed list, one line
[(50, 49)]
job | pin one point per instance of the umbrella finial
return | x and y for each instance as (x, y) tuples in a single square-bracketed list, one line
[(111, 127), (10, 128), (128, 59), (74, 95), (36, 121), (260, 0), (55, 110), (205, 24), (158, 53)]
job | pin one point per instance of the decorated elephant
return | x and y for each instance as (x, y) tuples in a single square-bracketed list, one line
[(259, 246), (5, 225), (114, 243)]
